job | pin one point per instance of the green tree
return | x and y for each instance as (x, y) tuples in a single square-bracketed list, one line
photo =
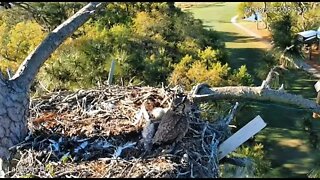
[(281, 30), (17, 42)]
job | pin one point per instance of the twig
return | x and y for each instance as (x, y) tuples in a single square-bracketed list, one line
[(232, 113), (134, 164), (191, 170), (66, 172), (202, 137)]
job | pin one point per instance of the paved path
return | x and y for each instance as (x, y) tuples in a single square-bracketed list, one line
[(248, 31)]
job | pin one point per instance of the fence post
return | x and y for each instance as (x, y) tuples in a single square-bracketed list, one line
[(111, 72)]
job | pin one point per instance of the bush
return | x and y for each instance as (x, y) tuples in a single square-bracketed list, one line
[(17, 42), (258, 167)]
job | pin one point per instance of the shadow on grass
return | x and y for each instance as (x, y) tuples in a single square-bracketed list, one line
[(251, 57), (285, 139), (300, 82), (235, 38), (290, 152)]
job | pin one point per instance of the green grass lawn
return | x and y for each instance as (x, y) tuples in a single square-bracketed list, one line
[(218, 16), (285, 141)]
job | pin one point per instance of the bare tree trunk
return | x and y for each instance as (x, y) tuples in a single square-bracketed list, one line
[(14, 104), (14, 93)]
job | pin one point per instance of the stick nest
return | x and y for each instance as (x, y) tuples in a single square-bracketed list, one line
[(97, 133)]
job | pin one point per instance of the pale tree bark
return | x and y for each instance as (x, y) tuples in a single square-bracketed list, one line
[(14, 104), (203, 93), (14, 93), (255, 93)]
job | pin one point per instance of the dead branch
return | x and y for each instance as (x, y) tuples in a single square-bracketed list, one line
[(232, 114), (203, 93), (271, 77)]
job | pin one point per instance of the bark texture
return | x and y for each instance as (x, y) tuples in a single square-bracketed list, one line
[(203, 93), (14, 105)]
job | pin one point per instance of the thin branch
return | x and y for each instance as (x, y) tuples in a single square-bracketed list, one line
[(236, 161), (31, 65), (232, 113), (9, 72)]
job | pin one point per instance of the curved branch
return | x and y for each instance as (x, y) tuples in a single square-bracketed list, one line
[(31, 65), (203, 93)]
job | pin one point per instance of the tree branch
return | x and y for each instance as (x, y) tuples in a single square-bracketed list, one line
[(270, 77), (203, 93), (34, 13), (31, 65), (231, 114)]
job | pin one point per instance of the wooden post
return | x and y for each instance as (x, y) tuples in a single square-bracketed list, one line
[(111, 72), (9, 72)]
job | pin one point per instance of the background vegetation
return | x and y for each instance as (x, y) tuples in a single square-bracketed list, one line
[(151, 43)]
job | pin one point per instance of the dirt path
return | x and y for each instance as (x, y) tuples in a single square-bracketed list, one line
[(250, 32)]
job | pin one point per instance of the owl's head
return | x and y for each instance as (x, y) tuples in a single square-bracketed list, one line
[(181, 104)]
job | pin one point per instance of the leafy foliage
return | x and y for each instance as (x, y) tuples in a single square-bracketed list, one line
[(259, 165), (281, 30), (207, 69), (241, 77), (151, 42), (245, 9), (142, 44), (17, 42), (285, 20), (51, 14)]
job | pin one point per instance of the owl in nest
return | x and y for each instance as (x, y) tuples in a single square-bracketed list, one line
[(174, 123)]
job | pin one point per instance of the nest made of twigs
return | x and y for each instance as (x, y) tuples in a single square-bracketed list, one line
[(95, 133)]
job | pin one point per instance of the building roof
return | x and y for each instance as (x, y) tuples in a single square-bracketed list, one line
[(307, 34)]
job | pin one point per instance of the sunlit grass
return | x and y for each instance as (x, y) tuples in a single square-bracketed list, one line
[(283, 122)]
